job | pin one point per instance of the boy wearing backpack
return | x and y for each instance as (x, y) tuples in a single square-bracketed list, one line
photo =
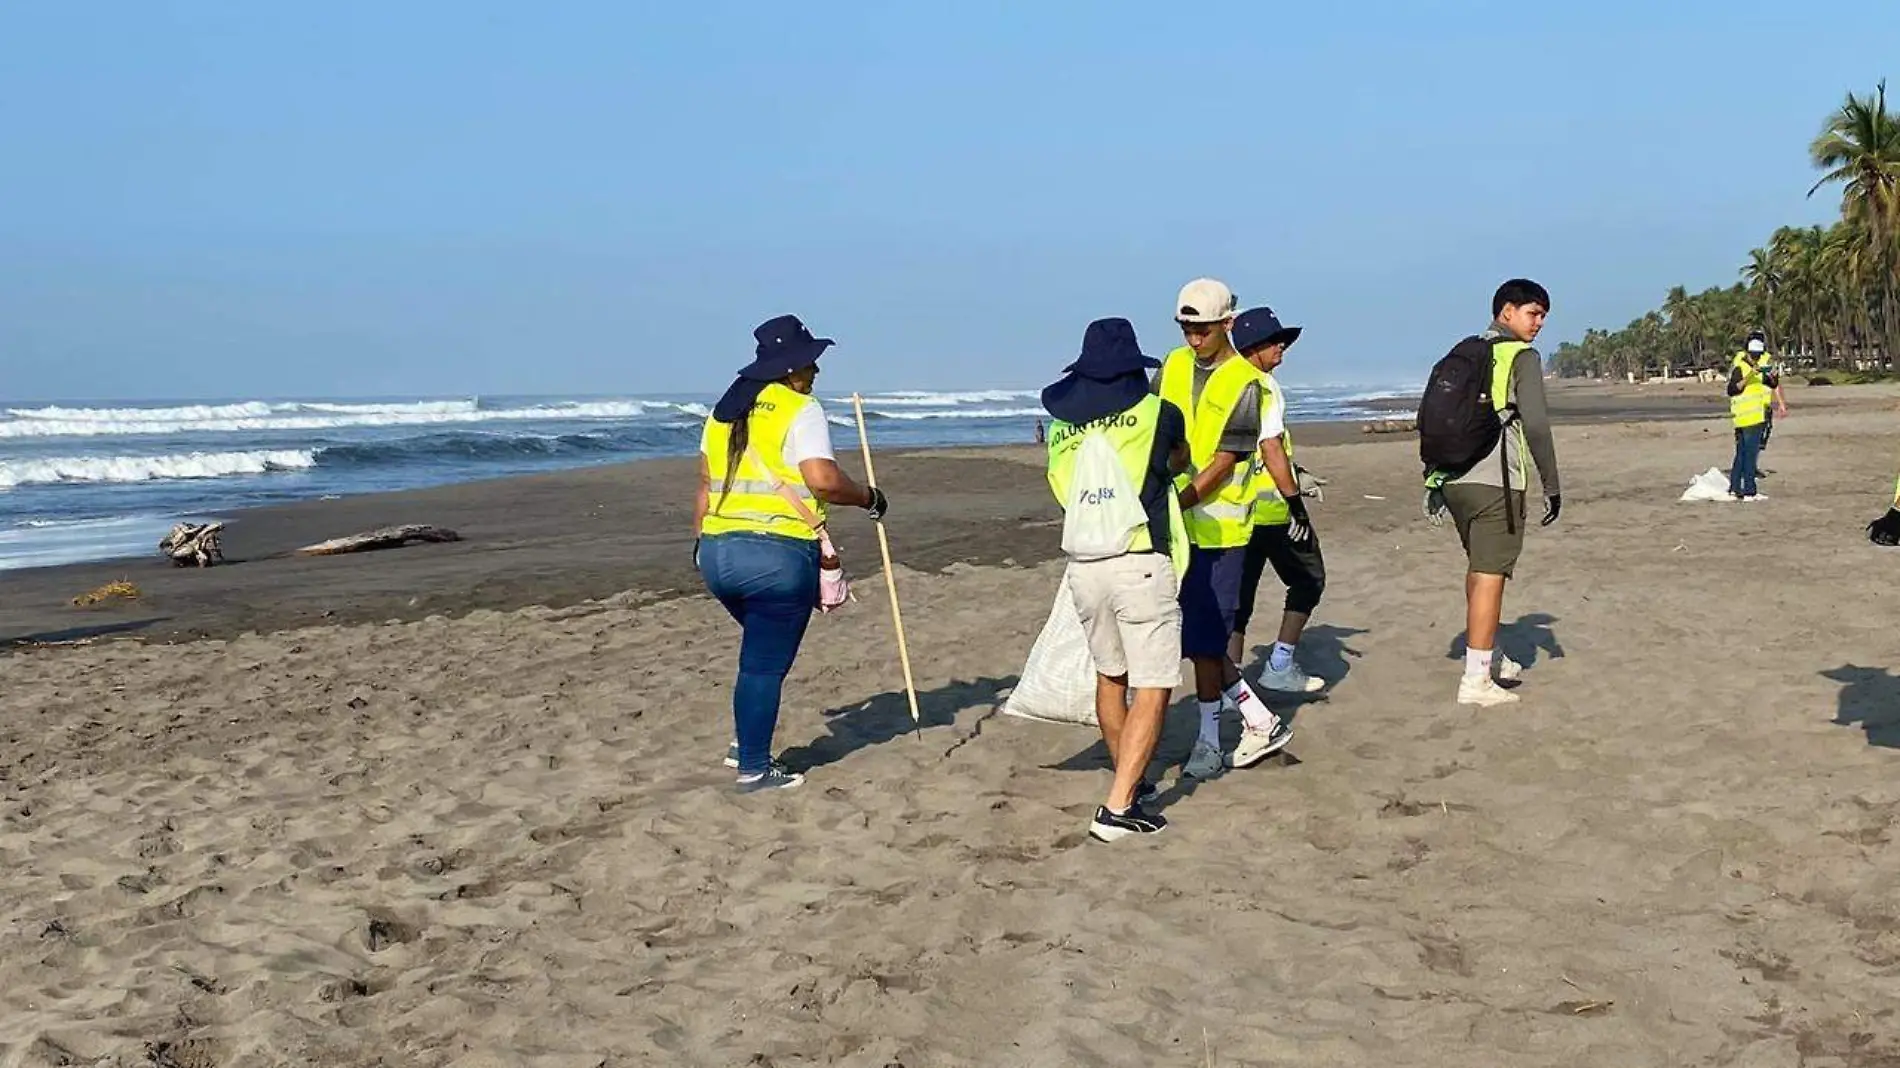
[(1114, 449), (1483, 414)]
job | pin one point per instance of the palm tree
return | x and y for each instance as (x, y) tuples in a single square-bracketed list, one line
[(1685, 324), (1830, 295), (1859, 148), (1763, 274)]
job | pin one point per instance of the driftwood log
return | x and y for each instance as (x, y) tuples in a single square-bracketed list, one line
[(193, 543), (386, 538), (1390, 426)]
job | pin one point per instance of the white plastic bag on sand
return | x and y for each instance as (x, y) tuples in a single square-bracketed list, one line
[(1710, 485), (1058, 681)]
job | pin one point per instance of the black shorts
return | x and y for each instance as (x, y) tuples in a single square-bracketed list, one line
[(1301, 569)]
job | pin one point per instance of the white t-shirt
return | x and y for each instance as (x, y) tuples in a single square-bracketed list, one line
[(1273, 412), (809, 438)]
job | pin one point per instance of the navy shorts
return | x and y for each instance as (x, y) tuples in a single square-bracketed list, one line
[(1210, 600)]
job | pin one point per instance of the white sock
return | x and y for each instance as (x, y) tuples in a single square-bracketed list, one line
[(1252, 708), (1477, 663), (1210, 723), (1281, 657)]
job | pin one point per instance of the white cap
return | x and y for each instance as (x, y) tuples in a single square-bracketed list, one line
[(1205, 300)]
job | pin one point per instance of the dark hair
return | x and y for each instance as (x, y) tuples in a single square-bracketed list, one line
[(737, 439), (1519, 291)]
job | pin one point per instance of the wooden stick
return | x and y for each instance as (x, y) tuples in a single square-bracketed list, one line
[(890, 576)]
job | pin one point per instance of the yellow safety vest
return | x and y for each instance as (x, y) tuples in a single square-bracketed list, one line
[(1503, 357), (1223, 520), (1270, 509), (1750, 406), (753, 502), (1132, 434)]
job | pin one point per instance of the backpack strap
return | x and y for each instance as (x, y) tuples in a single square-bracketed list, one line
[(791, 496)]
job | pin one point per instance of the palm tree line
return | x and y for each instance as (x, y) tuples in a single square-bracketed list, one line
[(1827, 296)]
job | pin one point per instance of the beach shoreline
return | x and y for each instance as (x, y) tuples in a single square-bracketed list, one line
[(560, 538)]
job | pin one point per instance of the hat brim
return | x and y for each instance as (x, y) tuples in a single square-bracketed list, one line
[(1286, 335), (1202, 320), (1105, 372), (779, 364)]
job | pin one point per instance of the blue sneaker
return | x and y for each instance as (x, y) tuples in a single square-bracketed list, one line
[(775, 778)]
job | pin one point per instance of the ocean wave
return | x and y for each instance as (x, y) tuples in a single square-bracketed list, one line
[(478, 445), (453, 447), (254, 416), (964, 413), (906, 398), (236, 410), (147, 468)]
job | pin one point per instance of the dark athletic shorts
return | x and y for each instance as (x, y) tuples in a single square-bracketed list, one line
[(1491, 544), (1210, 595), (1301, 569)]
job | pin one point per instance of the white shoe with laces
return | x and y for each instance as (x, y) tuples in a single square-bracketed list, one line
[(1483, 691), (1257, 745), (1292, 680)]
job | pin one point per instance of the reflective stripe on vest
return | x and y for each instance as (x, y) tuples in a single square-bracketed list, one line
[(1132, 434), (752, 502), (1750, 406), (1224, 519)]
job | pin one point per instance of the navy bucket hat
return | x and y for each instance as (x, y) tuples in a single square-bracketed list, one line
[(1109, 351), (785, 345), (1259, 326)]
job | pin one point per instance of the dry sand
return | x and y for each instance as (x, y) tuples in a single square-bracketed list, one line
[(505, 838)]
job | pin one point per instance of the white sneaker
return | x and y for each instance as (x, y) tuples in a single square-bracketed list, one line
[(1258, 745), (1508, 669), (1482, 690), (1204, 762), (1293, 680)]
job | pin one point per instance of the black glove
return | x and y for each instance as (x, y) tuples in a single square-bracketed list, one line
[(1886, 529), (695, 554), (1300, 529), (877, 506), (1556, 507)]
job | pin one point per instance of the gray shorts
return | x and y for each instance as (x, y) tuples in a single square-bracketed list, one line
[(1131, 614), (1492, 545)]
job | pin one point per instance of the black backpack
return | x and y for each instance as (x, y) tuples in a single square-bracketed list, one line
[(1457, 422)]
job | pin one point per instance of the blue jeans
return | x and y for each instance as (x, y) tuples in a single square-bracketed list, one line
[(1741, 473), (1210, 599), (770, 585)]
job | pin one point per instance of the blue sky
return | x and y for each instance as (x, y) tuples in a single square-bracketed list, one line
[(227, 200)]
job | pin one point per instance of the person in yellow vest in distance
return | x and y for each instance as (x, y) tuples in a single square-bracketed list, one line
[(1282, 531), (1219, 393), (1487, 497), (1749, 400), (1778, 401), (1114, 449), (766, 476), (1886, 529)]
